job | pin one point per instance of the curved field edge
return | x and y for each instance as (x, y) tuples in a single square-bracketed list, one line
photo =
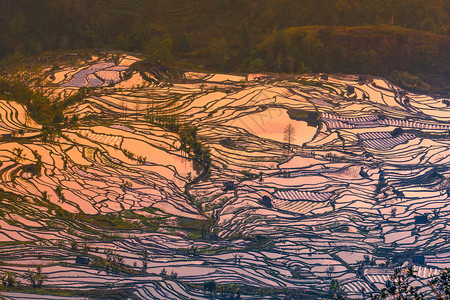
[(154, 166)]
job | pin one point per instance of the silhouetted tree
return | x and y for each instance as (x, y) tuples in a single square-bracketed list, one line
[(289, 135)]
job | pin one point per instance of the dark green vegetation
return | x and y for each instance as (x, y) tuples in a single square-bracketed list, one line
[(400, 286), (376, 37), (380, 50), (88, 294), (164, 110), (39, 106), (234, 291), (188, 137), (311, 117), (406, 41), (41, 109)]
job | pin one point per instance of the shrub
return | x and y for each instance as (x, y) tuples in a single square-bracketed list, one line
[(409, 81), (256, 65), (37, 278)]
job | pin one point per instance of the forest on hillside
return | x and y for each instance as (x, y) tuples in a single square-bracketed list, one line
[(404, 38)]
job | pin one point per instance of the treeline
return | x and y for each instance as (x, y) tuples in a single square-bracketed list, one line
[(239, 35), (190, 142), (40, 108), (370, 49)]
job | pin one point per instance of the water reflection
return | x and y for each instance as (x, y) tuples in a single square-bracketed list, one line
[(271, 123)]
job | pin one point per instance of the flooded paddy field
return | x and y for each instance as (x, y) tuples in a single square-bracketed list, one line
[(170, 179)]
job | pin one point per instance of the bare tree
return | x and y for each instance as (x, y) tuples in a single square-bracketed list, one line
[(18, 152), (27, 118), (143, 257), (123, 104), (137, 107), (289, 135)]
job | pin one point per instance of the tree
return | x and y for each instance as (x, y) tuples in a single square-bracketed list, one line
[(159, 51), (113, 261), (137, 107), (58, 118), (330, 271), (441, 285), (289, 135), (123, 104), (164, 52), (59, 192), (8, 279), (73, 245), (18, 154), (182, 43), (219, 52), (301, 68), (399, 287), (144, 256), (37, 278), (337, 290), (256, 65), (209, 285)]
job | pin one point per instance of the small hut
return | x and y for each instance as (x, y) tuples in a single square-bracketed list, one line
[(423, 219), (266, 201), (228, 186), (419, 260), (82, 261)]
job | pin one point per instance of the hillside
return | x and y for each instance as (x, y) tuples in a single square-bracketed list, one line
[(227, 35), (123, 179), (382, 50)]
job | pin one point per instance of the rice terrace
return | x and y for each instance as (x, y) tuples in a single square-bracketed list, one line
[(167, 184), (224, 149)]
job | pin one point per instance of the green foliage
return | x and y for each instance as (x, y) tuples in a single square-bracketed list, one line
[(377, 50), (256, 65), (188, 137), (36, 279), (235, 36), (59, 192), (110, 221), (169, 122), (248, 175), (219, 53), (81, 94), (337, 291), (143, 256), (160, 54), (73, 245), (196, 228), (40, 108), (8, 279), (127, 184), (112, 263), (210, 285), (182, 43), (441, 285), (399, 286), (409, 81), (18, 154), (38, 165)]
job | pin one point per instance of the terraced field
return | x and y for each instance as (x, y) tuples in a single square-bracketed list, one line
[(363, 188)]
